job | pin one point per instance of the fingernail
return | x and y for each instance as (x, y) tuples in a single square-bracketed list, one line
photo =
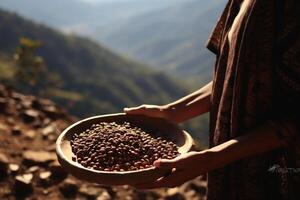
[(156, 163)]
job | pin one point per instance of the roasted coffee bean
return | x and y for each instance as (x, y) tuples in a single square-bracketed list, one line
[(119, 147)]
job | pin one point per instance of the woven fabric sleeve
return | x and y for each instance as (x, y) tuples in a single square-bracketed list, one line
[(213, 43), (287, 75)]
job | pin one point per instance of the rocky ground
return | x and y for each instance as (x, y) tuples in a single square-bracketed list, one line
[(29, 170)]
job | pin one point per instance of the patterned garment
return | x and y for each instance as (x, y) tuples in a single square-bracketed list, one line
[(257, 81)]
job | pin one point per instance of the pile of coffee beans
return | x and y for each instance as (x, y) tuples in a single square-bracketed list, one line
[(119, 147)]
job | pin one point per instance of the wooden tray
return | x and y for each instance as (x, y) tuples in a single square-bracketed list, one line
[(166, 129)]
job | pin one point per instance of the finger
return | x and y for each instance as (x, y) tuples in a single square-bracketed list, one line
[(177, 178), (169, 164), (135, 110)]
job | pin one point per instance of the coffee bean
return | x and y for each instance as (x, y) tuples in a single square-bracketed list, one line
[(119, 147)]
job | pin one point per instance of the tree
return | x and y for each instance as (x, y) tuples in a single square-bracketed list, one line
[(31, 74)]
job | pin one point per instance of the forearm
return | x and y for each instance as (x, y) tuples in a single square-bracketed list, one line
[(260, 140), (192, 105)]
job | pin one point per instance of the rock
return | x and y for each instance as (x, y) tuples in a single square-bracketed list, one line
[(3, 165), (26, 103), (40, 103), (13, 168), (33, 169), (151, 195), (29, 116), (3, 104), (104, 196), (4, 128), (46, 121), (199, 187), (174, 194), (51, 112), (49, 130), (44, 177), (91, 192), (29, 134), (38, 157), (23, 185), (203, 177), (69, 188), (16, 130), (58, 173), (51, 147), (17, 96), (47, 107), (192, 195), (10, 120)]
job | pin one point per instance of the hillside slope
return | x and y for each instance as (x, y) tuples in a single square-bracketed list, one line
[(29, 168), (172, 38), (168, 35), (104, 81)]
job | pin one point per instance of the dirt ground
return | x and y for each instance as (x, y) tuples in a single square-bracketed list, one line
[(29, 170)]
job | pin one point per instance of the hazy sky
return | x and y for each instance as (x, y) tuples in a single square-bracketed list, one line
[(95, 1)]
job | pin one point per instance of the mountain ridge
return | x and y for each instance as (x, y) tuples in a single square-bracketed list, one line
[(85, 65)]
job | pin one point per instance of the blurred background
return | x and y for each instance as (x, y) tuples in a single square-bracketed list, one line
[(95, 57)]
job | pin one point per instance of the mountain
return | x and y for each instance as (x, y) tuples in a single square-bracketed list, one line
[(172, 38), (101, 80), (169, 35), (81, 16), (93, 79)]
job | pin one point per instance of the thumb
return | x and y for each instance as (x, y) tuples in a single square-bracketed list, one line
[(134, 110), (168, 164)]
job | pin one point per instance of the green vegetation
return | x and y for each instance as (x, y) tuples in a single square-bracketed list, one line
[(104, 81), (92, 79)]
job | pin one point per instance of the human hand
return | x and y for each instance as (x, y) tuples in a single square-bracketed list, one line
[(151, 111), (182, 169)]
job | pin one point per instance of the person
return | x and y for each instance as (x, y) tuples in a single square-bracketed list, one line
[(253, 102)]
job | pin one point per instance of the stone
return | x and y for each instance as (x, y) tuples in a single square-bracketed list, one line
[(69, 188), (23, 185), (13, 168), (146, 195), (44, 177), (192, 195), (3, 165), (33, 169), (174, 194), (25, 178), (58, 173), (16, 130), (10, 120), (38, 157), (51, 112), (40, 103), (46, 121), (17, 96), (3, 104), (51, 147), (199, 187), (104, 196), (91, 192), (26, 103), (47, 107), (29, 134), (4, 129), (29, 116), (49, 130)]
